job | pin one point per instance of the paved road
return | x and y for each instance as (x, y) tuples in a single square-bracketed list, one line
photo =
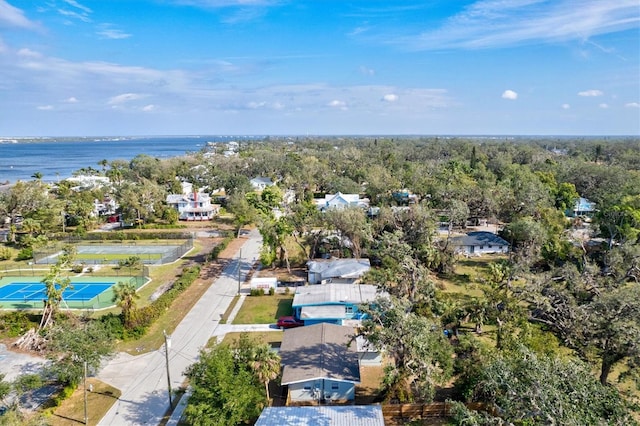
[(143, 379)]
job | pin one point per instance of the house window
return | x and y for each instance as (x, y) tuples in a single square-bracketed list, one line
[(307, 388), (334, 386), (490, 247), (348, 309), (481, 247)]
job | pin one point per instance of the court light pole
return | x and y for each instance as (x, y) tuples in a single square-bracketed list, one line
[(167, 345)]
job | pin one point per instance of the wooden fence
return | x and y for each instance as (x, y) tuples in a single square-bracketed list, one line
[(426, 411)]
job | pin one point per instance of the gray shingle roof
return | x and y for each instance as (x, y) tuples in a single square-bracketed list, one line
[(320, 351), (480, 238)]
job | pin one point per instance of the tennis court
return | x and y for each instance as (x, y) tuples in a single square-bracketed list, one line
[(84, 292), (104, 253)]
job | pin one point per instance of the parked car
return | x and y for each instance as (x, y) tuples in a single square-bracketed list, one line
[(289, 322)]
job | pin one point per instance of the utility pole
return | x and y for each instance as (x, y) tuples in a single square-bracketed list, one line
[(167, 345), (239, 271), (84, 384)]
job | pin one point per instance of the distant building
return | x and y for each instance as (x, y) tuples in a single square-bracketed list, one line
[(341, 201), (582, 207), (195, 206), (260, 183), (477, 243)]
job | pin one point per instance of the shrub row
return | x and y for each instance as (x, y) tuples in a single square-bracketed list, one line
[(261, 292), (121, 236), (218, 249), (142, 318)]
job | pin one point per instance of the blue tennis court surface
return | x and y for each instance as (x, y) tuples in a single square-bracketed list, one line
[(36, 291)]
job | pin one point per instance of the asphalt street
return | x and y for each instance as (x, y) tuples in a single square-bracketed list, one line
[(143, 379)]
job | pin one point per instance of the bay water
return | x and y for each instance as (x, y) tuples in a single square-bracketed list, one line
[(58, 158)]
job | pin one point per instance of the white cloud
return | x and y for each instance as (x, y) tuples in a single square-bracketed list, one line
[(390, 97), (13, 17), (45, 107), (77, 5), (497, 23), (590, 93), (123, 98), (509, 94), (632, 105), (603, 106), (367, 71), (71, 100), (226, 3), (566, 106), (113, 34), (338, 104), (82, 16), (28, 53), (149, 108)]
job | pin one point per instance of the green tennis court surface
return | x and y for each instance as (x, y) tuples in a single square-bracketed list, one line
[(84, 292)]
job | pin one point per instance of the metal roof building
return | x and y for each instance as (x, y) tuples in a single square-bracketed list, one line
[(336, 415)]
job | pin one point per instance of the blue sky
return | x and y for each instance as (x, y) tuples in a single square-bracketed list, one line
[(160, 67)]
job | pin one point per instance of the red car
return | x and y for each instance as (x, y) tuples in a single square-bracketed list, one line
[(289, 322)]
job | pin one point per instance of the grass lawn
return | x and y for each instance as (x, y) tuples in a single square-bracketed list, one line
[(99, 401), (264, 309)]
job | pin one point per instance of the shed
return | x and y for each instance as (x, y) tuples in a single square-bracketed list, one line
[(265, 283)]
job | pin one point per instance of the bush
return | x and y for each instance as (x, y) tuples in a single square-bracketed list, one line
[(219, 248), (65, 393), (77, 268), (141, 319), (256, 292), (13, 324), (25, 254), (5, 253), (272, 291)]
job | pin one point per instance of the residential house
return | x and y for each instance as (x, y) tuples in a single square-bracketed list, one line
[(193, 206), (342, 271), (480, 242), (582, 207), (331, 303), (260, 183), (341, 201), (404, 197), (324, 415), (320, 366)]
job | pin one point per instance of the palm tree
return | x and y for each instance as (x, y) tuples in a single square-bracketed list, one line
[(478, 311), (124, 294), (266, 365), (37, 175)]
